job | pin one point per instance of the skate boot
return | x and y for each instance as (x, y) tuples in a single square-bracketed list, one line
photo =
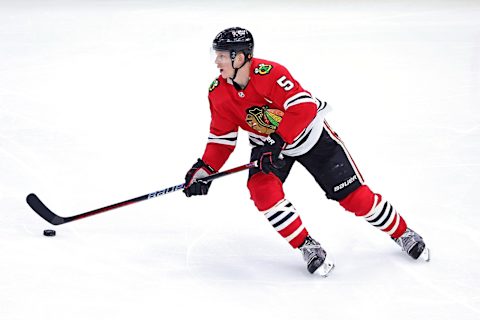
[(316, 257), (412, 243)]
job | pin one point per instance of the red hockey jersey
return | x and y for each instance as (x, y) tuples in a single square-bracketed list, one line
[(272, 101)]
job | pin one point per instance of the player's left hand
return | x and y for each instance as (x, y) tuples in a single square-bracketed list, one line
[(269, 155), (194, 186)]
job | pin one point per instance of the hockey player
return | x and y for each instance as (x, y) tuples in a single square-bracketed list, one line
[(285, 124)]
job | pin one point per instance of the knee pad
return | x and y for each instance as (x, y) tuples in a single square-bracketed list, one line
[(266, 190), (361, 201)]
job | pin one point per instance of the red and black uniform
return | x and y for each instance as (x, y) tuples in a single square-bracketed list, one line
[(271, 97), (273, 101)]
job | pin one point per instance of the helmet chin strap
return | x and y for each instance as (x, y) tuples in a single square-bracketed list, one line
[(235, 84)]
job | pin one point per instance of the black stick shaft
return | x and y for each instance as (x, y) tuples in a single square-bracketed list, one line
[(42, 210)]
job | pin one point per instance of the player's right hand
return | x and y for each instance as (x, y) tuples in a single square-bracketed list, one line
[(270, 154), (193, 187)]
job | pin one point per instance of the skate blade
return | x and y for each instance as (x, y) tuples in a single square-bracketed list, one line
[(325, 269), (425, 255)]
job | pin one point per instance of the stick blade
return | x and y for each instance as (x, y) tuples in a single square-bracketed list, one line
[(42, 210)]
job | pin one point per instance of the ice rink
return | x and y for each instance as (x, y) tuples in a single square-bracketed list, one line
[(102, 101)]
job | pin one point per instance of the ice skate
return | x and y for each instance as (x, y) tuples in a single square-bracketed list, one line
[(316, 257), (412, 243)]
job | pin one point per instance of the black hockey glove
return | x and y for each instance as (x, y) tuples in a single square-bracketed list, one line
[(269, 155), (192, 186)]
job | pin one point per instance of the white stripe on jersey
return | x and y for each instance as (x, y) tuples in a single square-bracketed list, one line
[(302, 97), (306, 139), (229, 139), (256, 139)]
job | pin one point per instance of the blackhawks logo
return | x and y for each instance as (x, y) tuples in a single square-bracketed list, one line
[(263, 69), (263, 119), (213, 85)]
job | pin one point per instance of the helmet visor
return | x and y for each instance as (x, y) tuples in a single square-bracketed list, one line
[(219, 56)]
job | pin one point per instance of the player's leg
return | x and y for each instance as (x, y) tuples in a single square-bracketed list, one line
[(266, 191), (382, 215), (335, 171)]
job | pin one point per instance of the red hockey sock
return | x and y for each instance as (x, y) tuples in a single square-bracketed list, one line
[(285, 219), (266, 192), (376, 211)]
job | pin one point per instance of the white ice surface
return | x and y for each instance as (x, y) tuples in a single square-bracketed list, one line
[(102, 101)]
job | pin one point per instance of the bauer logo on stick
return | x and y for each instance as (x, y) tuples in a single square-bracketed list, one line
[(164, 191)]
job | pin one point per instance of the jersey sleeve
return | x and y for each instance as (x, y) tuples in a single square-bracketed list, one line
[(300, 106), (221, 140)]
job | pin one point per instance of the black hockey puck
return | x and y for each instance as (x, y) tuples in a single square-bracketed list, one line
[(49, 233)]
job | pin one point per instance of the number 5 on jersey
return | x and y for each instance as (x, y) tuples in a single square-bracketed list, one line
[(286, 84)]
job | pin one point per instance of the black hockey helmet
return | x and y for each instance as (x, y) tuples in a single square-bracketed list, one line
[(235, 40)]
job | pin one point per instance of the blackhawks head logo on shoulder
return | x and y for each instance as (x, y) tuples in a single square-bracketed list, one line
[(213, 85), (263, 69)]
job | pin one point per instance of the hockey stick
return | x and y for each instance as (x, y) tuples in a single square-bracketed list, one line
[(37, 205)]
